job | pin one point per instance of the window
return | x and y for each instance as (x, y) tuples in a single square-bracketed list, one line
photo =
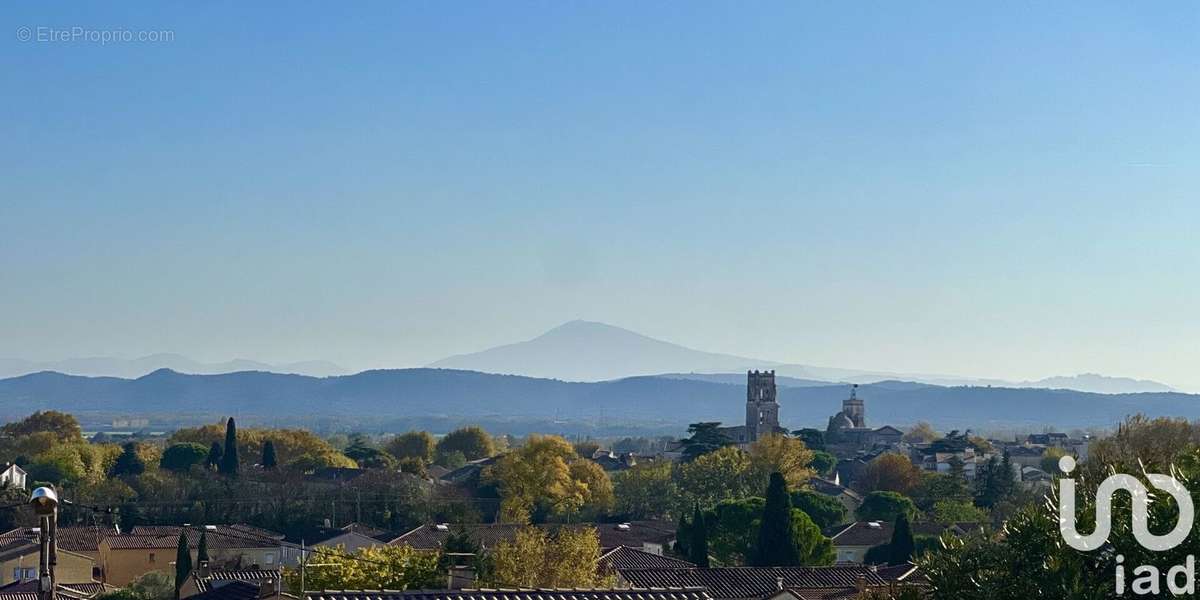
[(269, 558), (151, 557)]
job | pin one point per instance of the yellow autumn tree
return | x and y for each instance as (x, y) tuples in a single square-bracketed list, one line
[(782, 454), (547, 474), (564, 557), (380, 567)]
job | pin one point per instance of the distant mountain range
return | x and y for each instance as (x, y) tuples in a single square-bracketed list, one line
[(589, 351), (371, 398), (106, 366), (585, 351)]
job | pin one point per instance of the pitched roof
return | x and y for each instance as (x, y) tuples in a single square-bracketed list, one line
[(224, 576), (76, 538), (516, 594), (633, 534), (28, 590), (218, 537), (234, 590), (874, 533), (752, 582), (623, 557)]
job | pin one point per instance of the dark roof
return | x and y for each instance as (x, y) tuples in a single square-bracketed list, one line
[(15, 547), (623, 557), (874, 533), (28, 590), (633, 534), (752, 582), (234, 590), (217, 577), (218, 536), (903, 572), (517, 594), (73, 537)]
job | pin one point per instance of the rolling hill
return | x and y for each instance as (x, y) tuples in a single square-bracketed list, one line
[(372, 396)]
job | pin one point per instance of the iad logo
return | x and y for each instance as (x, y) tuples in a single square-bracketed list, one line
[(1147, 576)]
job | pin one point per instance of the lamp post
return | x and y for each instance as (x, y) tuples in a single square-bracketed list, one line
[(44, 501)]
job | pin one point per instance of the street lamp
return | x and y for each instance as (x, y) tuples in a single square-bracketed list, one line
[(44, 501)]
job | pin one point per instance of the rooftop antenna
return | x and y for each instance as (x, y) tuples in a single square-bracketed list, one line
[(853, 390)]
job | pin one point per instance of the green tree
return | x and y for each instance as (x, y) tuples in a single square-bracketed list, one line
[(958, 511), (180, 458), (822, 462), (214, 456), (698, 544), (183, 561), (202, 548), (825, 511), (993, 482), (269, 460), (813, 438), (129, 462), (705, 437), (885, 506), (775, 547), (368, 457), (646, 491), (155, 585), (473, 442), (900, 550), (414, 444), (229, 460), (723, 474)]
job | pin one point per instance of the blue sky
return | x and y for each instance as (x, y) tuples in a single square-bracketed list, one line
[(1005, 190)]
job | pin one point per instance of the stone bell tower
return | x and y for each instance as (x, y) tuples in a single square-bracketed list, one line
[(762, 411)]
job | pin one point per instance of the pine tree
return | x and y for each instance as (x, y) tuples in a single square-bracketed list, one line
[(129, 462), (268, 457), (776, 547), (183, 561), (901, 548), (698, 544), (229, 460), (214, 456), (202, 548)]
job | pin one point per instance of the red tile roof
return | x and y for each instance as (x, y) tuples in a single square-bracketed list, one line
[(752, 582), (516, 594)]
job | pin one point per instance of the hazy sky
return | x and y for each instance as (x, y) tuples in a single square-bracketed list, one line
[(1001, 189)]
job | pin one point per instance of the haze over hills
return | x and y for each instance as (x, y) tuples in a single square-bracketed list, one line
[(590, 351), (584, 351), (107, 366), (371, 398)]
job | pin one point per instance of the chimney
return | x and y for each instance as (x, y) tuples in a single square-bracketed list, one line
[(779, 584), (862, 585), (461, 575)]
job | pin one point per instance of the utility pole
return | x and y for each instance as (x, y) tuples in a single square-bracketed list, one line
[(45, 505)]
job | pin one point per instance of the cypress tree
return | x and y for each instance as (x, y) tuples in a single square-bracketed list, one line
[(214, 456), (776, 546), (268, 457), (698, 544), (183, 561), (229, 461), (901, 549), (202, 548)]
